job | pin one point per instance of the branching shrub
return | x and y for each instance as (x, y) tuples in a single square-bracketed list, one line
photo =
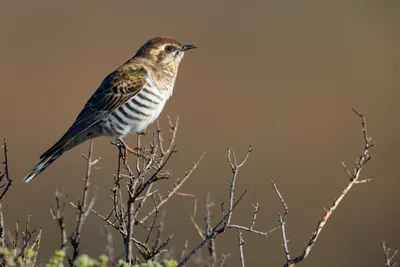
[(136, 186)]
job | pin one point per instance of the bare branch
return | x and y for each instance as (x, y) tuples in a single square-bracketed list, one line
[(82, 207), (241, 243), (26, 238), (281, 198), (235, 169), (284, 238), (185, 246), (37, 244), (223, 259), (389, 259), (173, 129), (15, 238), (6, 186), (6, 173), (175, 189), (253, 222), (353, 179), (58, 215), (218, 229), (125, 214), (212, 253), (209, 234), (2, 229)]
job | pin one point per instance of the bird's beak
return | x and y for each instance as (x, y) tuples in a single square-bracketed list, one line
[(188, 47)]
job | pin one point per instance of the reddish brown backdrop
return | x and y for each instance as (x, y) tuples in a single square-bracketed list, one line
[(281, 75)]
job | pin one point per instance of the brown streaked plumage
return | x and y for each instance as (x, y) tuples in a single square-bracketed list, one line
[(128, 99)]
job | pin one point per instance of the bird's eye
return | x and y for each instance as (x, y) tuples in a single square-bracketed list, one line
[(169, 48)]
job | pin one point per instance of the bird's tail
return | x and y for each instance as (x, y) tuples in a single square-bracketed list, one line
[(42, 165)]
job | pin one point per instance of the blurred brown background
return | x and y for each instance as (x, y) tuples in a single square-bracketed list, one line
[(281, 75)]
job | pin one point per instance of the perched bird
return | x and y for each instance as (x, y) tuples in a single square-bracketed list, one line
[(127, 101)]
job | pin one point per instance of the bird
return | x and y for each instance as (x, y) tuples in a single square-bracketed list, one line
[(127, 101)]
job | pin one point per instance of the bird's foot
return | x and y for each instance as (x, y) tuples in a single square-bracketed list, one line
[(126, 149), (135, 150)]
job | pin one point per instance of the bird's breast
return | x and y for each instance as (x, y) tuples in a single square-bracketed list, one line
[(137, 113)]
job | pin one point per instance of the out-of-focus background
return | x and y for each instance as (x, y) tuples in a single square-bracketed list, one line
[(281, 75)]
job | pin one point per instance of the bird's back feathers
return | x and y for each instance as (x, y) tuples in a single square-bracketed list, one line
[(116, 89)]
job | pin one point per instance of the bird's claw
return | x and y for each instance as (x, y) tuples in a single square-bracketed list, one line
[(135, 150), (121, 144)]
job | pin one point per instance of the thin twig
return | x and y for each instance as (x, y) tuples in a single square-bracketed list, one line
[(223, 259), (6, 186), (218, 229), (15, 238), (210, 234), (353, 179), (241, 243), (175, 189), (2, 229), (58, 215), (185, 246), (212, 253), (389, 259), (284, 238), (253, 222), (235, 169), (140, 182), (82, 207), (280, 198), (37, 244), (6, 173), (26, 237)]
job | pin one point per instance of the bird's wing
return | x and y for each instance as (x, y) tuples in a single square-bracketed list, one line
[(115, 90)]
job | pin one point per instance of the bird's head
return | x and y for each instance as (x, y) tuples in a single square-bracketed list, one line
[(163, 51)]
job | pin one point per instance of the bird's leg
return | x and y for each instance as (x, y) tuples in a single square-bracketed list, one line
[(123, 145), (120, 147), (146, 131)]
